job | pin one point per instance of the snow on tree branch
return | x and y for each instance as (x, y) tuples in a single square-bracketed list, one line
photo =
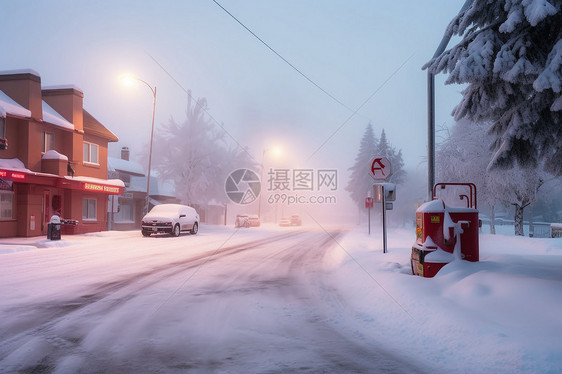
[(510, 57)]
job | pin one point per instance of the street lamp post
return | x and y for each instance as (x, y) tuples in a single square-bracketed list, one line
[(261, 183), (153, 90), (431, 111), (150, 150)]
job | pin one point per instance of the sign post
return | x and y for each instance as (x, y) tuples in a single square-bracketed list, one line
[(380, 170), (383, 220), (369, 205)]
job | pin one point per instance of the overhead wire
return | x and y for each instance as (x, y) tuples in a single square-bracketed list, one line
[(244, 149), (283, 58)]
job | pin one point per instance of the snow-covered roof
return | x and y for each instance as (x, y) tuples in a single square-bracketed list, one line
[(20, 71), (166, 189), (63, 87), (50, 115), (9, 106), (124, 166), (110, 182), (14, 164), (95, 127), (54, 155), (157, 188)]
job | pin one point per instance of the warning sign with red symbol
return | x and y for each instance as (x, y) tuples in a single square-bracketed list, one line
[(380, 168)]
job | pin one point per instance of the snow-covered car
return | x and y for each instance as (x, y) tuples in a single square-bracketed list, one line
[(242, 220), (171, 219), (296, 220), (254, 220), (285, 222)]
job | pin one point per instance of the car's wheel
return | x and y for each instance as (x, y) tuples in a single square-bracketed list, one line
[(195, 228), (176, 231), (145, 233)]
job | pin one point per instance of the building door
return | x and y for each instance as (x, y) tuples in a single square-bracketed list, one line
[(46, 211)]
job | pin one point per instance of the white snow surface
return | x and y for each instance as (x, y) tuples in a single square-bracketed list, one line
[(9, 106), (63, 87), (54, 155), (130, 167), (14, 164), (499, 315), (52, 116), (20, 71), (110, 182)]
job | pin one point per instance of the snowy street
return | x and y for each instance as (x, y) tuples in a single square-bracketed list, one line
[(276, 300), (258, 303)]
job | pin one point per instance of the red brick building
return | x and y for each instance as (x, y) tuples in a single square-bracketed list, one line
[(53, 159)]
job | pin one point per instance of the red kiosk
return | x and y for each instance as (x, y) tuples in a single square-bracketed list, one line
[(445, 233)]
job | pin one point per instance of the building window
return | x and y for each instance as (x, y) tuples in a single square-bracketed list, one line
[(6, 205), (89, 209), (3, 140), (2, 127), (91, 153), (126, 178), (125, 213), (48, 141)]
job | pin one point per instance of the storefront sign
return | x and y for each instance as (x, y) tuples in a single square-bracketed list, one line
[(101, 188), (11, 174), (18, 176)]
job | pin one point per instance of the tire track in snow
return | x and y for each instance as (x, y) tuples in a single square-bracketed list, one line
[(35, 320)]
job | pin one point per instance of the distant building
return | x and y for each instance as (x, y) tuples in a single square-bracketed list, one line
[(53, 159), (126, 211)]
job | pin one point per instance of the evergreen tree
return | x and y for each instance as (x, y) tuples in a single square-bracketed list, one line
[(510, 57), (397, 164), (360, 183)]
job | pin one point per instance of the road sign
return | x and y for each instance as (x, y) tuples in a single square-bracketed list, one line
[(369, 202), (380, 168)]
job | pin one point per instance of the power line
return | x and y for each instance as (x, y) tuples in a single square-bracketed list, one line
[(359, 108), (283, 58), (201, 106)]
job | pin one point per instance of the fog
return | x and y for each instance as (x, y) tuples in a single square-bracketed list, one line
[(310, 84)]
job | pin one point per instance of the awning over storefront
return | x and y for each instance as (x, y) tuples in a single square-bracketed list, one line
[(106, 186)]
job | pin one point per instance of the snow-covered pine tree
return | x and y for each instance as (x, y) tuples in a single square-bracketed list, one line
[(510, 57), (360, 183), (384, 148)]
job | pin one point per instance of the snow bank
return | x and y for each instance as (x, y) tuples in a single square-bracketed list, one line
[(499, 315)]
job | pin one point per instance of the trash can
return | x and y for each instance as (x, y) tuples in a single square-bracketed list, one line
[(54, 228)]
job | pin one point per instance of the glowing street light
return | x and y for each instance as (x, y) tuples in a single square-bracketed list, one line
[(276, 152), (128, 80)]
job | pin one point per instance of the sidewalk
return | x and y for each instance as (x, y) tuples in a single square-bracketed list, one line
[(18, 244)]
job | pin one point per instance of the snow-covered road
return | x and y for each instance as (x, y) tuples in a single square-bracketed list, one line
[(216, 302), (276, 300)]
